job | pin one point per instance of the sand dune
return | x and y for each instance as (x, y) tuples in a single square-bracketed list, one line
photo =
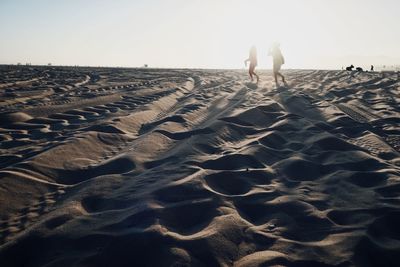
[(142, 167)]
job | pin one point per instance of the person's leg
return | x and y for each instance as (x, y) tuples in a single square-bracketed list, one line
[(283, 77), (251, 71), (275, 69), (255, 74), (251, 74), (276, 77)]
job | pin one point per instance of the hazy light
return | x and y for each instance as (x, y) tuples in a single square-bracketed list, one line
[(199, 33)]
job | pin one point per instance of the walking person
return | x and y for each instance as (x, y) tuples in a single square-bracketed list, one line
[(253, 63), (278, 60)]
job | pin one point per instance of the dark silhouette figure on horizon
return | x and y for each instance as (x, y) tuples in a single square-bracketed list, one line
[(359, 69), (278, 60), (372, 67), (253, 63), (350, 68)]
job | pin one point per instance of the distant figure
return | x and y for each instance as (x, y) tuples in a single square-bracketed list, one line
[(278, 61), (359, 69), (372, 67), (350, 68), (253, 63)]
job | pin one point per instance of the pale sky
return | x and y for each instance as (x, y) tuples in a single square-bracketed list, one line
[(318, 34)]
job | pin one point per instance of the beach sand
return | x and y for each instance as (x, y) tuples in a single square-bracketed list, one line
[(164, 167)]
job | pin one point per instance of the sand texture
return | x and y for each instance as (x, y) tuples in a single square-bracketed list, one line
[(147, 167)]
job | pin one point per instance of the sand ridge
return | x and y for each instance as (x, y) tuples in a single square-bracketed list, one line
[(143, 167)]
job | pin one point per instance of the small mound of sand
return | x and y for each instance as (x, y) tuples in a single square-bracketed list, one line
[(13, 117)]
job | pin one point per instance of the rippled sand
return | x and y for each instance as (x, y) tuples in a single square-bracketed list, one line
[(142, 167)]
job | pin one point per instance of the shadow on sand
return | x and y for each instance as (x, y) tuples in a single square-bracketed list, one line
[(298, 103), (250, 85)]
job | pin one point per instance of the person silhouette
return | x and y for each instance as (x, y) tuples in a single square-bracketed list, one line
[(253, 63), (278, 60)]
